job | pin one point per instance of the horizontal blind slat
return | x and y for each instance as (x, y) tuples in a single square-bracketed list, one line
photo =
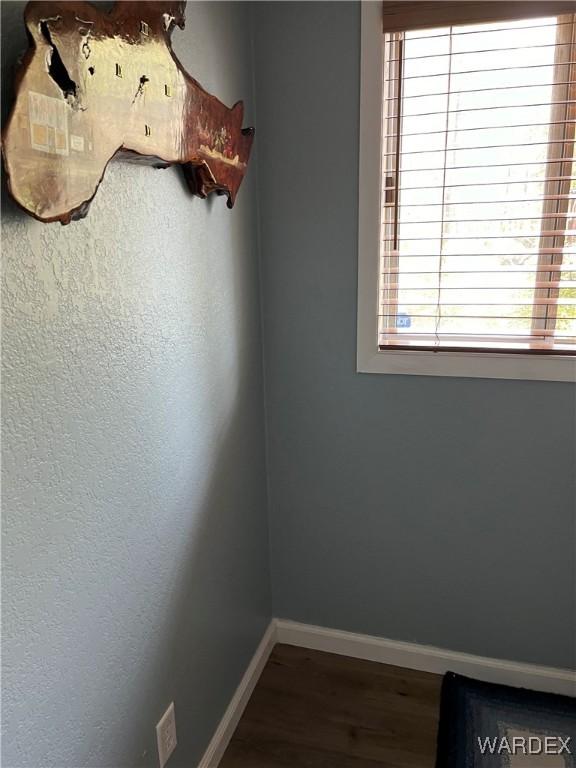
[(468, 304), (565, 274), (475, 184), (454, 131), (544, 217), (476, 336), (447, 316), (488, 69), (399, 287), (492, 89), (473, 51), (488, 236), (500, 253), (493, 202), (484, 335), (487, 146), (492, 108)]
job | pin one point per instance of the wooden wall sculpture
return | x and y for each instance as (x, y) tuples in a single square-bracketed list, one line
[(93, 85)]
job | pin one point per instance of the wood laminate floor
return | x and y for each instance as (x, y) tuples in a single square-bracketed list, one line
[(318, 710)]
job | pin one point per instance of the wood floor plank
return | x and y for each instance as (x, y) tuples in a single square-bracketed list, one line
[(319, 710)]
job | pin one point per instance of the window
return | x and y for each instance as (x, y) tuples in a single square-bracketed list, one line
[(476, 205)]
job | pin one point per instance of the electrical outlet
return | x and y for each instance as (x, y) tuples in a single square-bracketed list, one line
[(166, 735)]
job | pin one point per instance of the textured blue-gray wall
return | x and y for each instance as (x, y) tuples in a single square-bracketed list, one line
[(440, 510), (135, 562)]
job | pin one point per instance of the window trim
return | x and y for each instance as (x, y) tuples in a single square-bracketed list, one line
[(370, 359)]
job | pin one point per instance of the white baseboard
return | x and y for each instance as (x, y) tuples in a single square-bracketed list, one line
[(426, 658), (234, 711)]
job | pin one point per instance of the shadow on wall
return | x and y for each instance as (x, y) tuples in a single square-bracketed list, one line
[(193, 645), (135, 537), (96, 684)]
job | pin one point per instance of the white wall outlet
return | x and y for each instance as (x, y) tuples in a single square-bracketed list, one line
[(166, 735)]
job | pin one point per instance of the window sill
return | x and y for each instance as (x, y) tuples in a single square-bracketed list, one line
[(469, 365)]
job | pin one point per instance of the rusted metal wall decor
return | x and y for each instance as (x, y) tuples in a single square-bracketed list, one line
[(93, 85)]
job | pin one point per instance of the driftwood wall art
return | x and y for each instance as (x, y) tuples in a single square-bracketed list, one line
[(93, 85)]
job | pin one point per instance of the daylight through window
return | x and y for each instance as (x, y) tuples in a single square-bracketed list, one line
[(479, 188)]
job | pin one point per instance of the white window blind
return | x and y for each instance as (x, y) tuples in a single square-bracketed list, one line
[(479, 188)]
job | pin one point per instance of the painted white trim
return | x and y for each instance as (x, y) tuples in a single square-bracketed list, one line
[(369, 358), (231, 718), (370, 180), (482, 365), (426, 658)]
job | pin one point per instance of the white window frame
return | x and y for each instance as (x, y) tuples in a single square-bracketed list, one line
[(370, 359)]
